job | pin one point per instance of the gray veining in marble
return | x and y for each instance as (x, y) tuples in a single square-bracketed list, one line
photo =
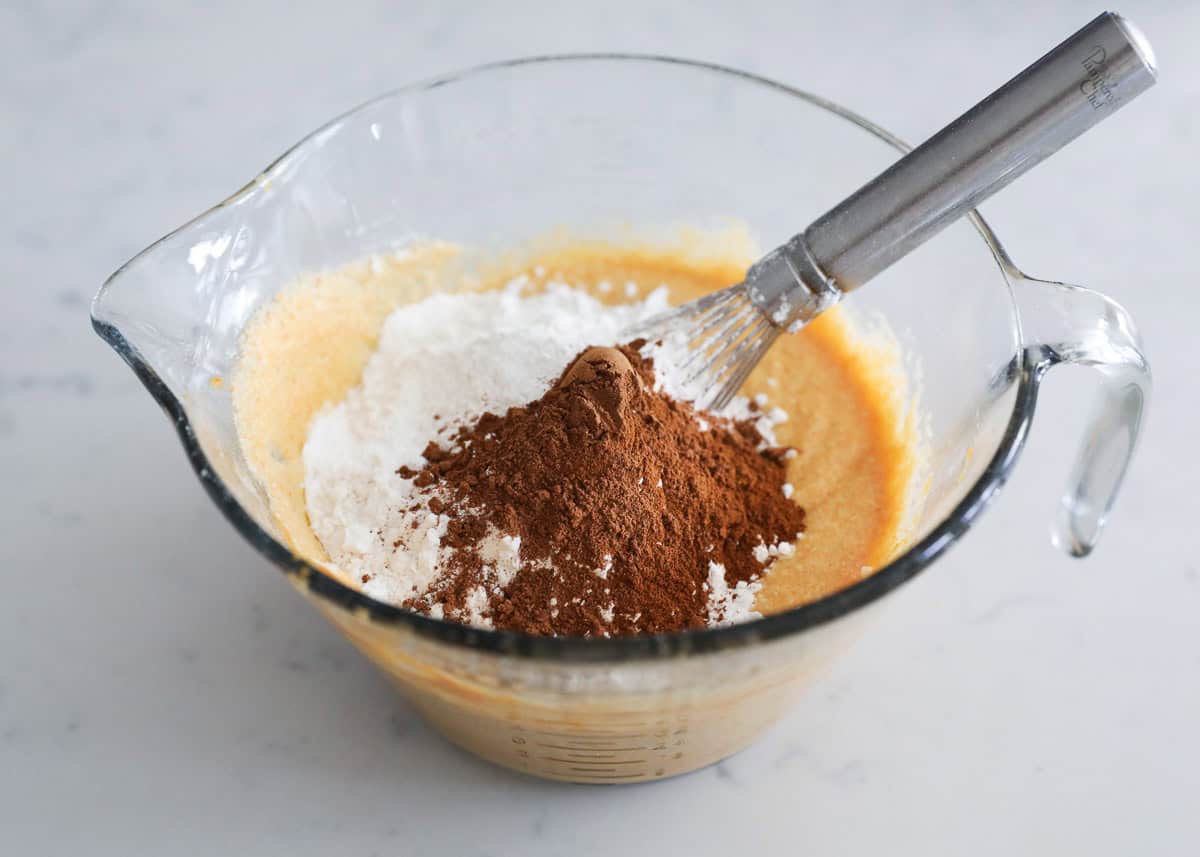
[(162, 689)]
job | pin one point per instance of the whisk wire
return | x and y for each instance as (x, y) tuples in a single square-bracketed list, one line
[(712, 344)]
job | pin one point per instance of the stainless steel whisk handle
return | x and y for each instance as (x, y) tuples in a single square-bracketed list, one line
[(1073, 87)]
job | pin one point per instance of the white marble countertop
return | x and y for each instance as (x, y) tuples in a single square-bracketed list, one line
[(164, 691)]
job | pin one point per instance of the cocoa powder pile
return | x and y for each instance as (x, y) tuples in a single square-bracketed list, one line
[(621, 500)]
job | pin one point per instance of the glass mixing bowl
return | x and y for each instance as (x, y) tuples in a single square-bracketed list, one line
[(495, 155)]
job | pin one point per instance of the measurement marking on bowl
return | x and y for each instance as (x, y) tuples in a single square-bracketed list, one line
[(628, 730), (597, 763), (585, 775), (583, 736), (625, 751), (592, 749)]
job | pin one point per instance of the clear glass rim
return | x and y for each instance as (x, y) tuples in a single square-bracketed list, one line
[(1023, 371)]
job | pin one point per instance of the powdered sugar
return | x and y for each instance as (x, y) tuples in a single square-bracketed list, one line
[(767, 554), (503, 555), (602, 571), (477, 603), (729, 605)]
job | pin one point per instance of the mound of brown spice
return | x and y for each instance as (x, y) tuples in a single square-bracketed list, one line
[(635, 514)]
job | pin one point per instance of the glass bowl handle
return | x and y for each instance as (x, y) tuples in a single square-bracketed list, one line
[(1065, 324)]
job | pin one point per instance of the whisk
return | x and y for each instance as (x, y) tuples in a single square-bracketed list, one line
[(711, 345)]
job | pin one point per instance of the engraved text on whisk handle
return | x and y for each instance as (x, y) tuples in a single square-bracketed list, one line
[(1086, 78)]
